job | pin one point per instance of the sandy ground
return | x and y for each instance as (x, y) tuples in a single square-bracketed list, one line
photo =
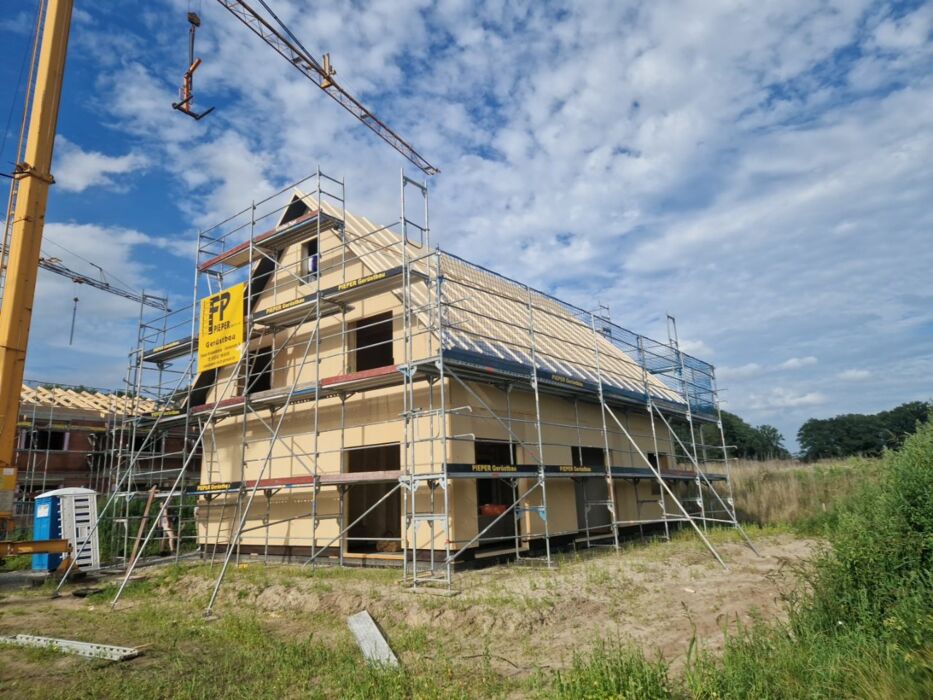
[(522, 618)]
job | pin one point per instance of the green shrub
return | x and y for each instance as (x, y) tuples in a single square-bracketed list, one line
[(878, 574), (860, 626), (864, 627)]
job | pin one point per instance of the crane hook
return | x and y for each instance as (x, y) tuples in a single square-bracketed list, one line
[(186, 93)]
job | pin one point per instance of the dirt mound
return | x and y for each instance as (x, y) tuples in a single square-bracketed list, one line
[(656, 596)]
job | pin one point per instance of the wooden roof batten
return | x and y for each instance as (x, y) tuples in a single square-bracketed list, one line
[(502, 302), (490, 300), (100, 402)]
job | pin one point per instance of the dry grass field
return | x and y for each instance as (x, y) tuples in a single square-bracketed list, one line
[(787, 492)]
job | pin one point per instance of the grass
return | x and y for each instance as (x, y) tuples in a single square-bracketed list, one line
[(243, 654), (20, 562), (611, 672), (793, 493), (860, 625)]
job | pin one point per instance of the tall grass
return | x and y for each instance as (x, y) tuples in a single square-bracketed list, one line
[(784, 492), (861, 625)]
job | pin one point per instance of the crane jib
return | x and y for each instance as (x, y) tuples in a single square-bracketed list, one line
[(292, 51)]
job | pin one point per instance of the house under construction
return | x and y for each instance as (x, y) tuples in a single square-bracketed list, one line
[(63, 440), (357, 396), (76, 436)]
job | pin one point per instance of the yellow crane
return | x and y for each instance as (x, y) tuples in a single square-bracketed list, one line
[(31, 187)]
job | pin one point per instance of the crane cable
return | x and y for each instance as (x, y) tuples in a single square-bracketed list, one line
[(19, 85), (74, 315)]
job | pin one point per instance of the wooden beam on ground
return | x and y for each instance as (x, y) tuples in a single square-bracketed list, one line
[(12, 549)]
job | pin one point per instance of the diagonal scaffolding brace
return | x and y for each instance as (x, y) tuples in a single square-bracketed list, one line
[(730, 510), (663, 484)]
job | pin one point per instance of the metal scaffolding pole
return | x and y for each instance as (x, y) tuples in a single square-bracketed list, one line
[(611, 501), (663, 484)]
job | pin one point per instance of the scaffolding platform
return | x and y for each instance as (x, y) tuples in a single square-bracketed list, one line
[(487, 368), (525, 471), (298, 482), (431, 329), (171, 351)]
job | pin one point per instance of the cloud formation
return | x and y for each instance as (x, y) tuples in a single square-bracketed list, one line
[(77, 169), (854, 375), (762, 171)]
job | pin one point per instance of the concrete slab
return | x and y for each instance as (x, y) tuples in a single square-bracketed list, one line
[(371, 640)]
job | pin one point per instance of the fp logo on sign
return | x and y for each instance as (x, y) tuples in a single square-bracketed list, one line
[(215, 312)]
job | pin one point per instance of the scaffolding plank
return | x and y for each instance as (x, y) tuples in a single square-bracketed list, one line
[(376, 374), (172, 350), (283, 482), (302, 481), (511, 471), (300, 392), (360, 477), (232, 402), (69, 646), (295, 311)]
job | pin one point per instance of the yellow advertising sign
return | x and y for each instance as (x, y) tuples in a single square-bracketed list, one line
[(221, 337)]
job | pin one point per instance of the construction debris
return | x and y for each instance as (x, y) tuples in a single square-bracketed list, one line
[(22, 547), (85, 592), (371, 640), (68, 646)]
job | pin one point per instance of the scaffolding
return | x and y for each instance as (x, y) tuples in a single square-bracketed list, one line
[(67, 437), (355, 330)]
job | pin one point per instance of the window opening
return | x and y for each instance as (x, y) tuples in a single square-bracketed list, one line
[(373, 336), (45, 440), (309, 260)]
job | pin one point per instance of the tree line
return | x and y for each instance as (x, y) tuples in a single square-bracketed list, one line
[(744, 441), (861, 434), (851, 434)]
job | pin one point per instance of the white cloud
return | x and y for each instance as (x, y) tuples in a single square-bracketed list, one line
[(780, 398), (798, 362), (756, 369), (697, 348), (762, 170), (745, 371), (854, 375), (77, 169), (22, 22), (106, 324), (908, 32)]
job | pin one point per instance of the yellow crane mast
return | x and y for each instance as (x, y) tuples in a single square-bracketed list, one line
[(33, 175)]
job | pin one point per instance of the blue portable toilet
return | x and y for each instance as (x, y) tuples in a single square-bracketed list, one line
[(46, 525), (67, 514)]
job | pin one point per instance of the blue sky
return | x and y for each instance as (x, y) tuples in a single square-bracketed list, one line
[(763, 171)]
